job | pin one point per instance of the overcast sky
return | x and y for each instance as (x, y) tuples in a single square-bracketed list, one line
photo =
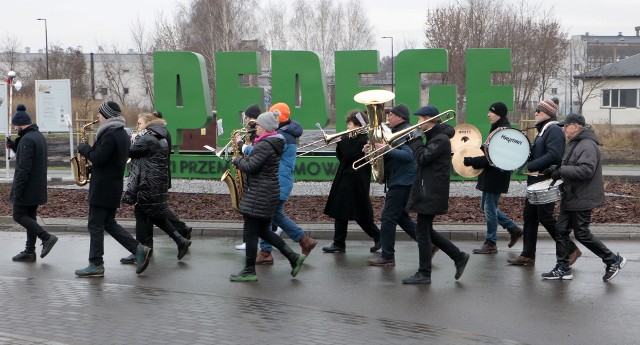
[(86, 22)]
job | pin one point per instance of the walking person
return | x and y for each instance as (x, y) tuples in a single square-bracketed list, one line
[(430, 193), (108, 157), (547, 150), (29, 187), (349, 195), (148, 183), (581, 173), (260, 197), (399, 173), (144, 225), (291, 130), (493, 182)]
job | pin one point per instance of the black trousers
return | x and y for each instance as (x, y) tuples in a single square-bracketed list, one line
[(26, 217), (533, 216), (426, 236), (103, 219), (145, 223), (394, 214), (340, 231), (256, 227), (579, 221)]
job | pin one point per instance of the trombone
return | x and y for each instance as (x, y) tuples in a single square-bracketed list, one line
[(329, 138), (392, 138)]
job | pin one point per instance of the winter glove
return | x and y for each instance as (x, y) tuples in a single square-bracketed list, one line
[(129, 198), (8, 143), (555, 175), (467, 161), (83, 149), (548, 171)]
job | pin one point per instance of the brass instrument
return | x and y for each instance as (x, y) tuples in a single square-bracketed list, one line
[(390, 139), (329, 138), (236, 184), (80, 165), (374, 100)]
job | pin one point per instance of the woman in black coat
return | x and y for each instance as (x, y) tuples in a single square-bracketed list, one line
[(261, 196), (349, 196), (148, 183)]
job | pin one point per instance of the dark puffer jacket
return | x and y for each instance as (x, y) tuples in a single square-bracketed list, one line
[(29, 186), (581, 172), (148, 177), (430, 190), (399, 166), (492, 179), (547, 149), (261, 191)]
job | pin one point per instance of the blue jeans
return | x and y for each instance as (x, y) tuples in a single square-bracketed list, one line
[(493, 216), (285, 223)]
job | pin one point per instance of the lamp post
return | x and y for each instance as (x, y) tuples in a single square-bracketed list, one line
[(46, 45), (392, 64)]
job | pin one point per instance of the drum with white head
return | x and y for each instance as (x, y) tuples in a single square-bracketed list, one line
[(507, 148)]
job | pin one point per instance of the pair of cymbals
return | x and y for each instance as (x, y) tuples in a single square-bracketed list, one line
[(466, 143)]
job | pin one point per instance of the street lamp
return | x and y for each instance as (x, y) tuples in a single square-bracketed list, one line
[(392, 74), (46, 44)]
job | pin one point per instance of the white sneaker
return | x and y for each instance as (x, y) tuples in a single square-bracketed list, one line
[(241, 246), (279, 231)]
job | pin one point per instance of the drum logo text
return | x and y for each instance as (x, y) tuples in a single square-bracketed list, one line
[(511, 140)]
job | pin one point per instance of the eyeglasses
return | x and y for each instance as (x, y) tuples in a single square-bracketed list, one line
[(538, 110), (140, 123)]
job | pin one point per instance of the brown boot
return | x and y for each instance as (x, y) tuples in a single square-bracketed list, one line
[(487, 248), (307, 244), (515, 233), (264, 258), (522, 261), (573, 257)]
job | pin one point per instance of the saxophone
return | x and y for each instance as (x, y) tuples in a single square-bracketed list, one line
[(236, 184), (80, 164)]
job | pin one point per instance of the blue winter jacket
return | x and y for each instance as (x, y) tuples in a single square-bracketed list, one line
[(399, 165)]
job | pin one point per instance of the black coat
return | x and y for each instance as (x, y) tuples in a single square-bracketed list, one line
[(108, 158), (492, 179), (430, 190), (349, 196), (29, 186), (148, 176), (547, 149), (261, 192)]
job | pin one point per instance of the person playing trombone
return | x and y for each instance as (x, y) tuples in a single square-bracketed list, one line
[(430, 192), (349, 195), (399, 172)]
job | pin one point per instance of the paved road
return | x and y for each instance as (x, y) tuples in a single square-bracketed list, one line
[(336, 299)]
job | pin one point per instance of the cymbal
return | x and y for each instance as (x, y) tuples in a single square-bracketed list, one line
[(374, 96), (458, 160), (466, 134)]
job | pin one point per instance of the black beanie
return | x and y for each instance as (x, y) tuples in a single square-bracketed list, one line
[(401, 110), (253, 111), (21, 117), (109, 109), (499, 109)]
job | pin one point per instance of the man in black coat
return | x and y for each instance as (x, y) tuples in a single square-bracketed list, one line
[(108, 158), (493, 182), (29, 188), (430, 193), (547, 150)]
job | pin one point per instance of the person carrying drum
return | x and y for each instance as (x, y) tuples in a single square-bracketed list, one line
[(547, 150), (581, 173), (493, 182)]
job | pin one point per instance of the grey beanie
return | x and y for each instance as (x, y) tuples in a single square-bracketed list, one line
[(268, 121)]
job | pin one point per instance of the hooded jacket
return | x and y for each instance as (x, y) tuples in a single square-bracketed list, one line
[(149, 174), (399, 166), (581, 173), (29, 186), (430, 191), (291, 131), (260, 197)]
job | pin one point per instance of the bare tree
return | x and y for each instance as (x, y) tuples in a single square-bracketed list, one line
[(274, 22), (587, 82), (9, 50), (114, 75), (144, 49)]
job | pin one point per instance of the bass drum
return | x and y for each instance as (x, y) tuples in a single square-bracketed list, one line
[(507, 149)]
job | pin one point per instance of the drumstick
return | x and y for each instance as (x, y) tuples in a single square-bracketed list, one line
[(534, 173)]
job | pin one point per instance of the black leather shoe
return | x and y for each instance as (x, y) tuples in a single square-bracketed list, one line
[(186, 233), (417, 278), (183, 249), (333, 249), (25, 256), (129, 260), (376, 247), (461, 264)]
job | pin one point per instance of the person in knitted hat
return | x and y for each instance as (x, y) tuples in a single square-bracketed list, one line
[(252, 111), (291, 130), (29, 187), (547, 150), (399, 172), (493, 182), (260, 201), (108, 156)]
